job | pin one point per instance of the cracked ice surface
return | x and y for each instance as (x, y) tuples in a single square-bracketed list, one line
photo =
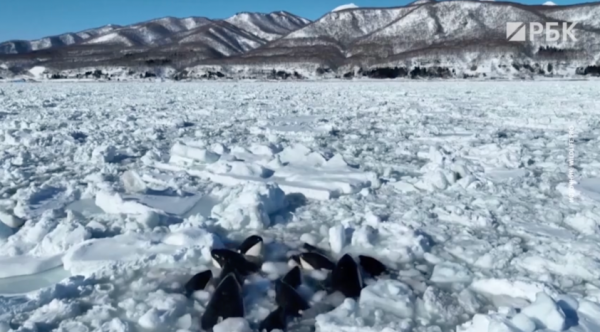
[(112, 195)]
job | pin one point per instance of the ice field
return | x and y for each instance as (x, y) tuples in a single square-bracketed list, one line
[(112, 195)]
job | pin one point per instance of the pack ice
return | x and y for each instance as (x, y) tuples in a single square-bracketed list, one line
[(480, 198)]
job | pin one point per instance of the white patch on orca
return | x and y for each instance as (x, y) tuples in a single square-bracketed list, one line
[(256, 250), (216, 263), (292, 263), (305, 265), (360, 278)]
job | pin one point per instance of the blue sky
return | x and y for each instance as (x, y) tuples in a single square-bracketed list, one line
[(29, 19)]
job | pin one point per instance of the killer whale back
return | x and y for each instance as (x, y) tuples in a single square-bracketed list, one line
[(371, 265), (288, 299), (226, 302), (314, 261), (198, 281), (293, 277), (276, 320), (252, 246), (346, 277), (242, 265)]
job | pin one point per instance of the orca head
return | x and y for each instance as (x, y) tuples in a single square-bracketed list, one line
[(226, 302), (252, 246), (198, 281), (315, 261), (276, 320), (294, 261), (306, 265), (230, 269), (289, 299), (293, 277), (346, 277), (371, 265), (220, 257)]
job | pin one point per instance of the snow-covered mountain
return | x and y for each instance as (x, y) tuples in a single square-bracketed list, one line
[(452, 38), (268, 26), (23, 46), (161, 31)]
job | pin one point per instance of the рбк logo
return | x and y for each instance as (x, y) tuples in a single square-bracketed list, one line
[(516, 31)]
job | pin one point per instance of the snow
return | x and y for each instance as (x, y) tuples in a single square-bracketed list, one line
[(37, 71), (233, 325), (548, 3), (342, 7), (113, 195)]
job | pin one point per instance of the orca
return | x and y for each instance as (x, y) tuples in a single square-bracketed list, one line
[(313, 261), (311, 248), (289, 300), (372, 266), (346, 277), (252, 246), (227, 269), (221, 257), (276, 320), (198, 282), (226, 302), (293, 277)]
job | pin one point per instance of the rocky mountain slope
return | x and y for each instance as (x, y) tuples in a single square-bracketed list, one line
[(424, 38)]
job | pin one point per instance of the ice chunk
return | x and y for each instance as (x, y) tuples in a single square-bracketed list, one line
[(349, 317), (309, 238), (27, 265), (190, 237), (363, 237), (523, 323), (589, 315), (513, 288), (239, 168), (10, 219), (113, 203), (249, 206), (133, 182), (234, 324), (391, 296), (165, 311), (92, 255), (337, 238), (275, 269), (545, 313), (104, 153), (483, 323), (180, 150), (451, 272), (441, 306)]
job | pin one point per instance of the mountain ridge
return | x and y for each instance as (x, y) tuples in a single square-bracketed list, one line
[(458, 37)]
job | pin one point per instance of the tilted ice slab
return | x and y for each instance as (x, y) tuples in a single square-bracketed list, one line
[(94, 255), (542, 314), (27, 265), (351, 317), (589, 188), (296, 169)]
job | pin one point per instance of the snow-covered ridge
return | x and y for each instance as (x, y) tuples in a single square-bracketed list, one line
[(451, 38), (154, 32)]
